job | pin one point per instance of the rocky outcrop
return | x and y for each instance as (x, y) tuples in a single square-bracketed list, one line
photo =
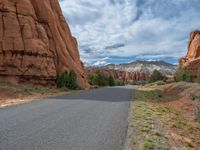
[(135, 71), (192, 60), (121, 75), (36, 43)]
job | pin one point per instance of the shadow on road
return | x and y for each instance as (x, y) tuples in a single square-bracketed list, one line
[(103, 94)]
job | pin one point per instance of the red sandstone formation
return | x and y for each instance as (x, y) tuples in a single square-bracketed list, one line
[(122, 75), (192, 60), (36, 43), (135, 71)]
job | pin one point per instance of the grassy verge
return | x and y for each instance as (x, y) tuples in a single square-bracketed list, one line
[(153, 125), (146, 131)]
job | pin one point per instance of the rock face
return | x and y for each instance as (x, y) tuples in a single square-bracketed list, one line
[(135, 71), (192, 60), (36, 43), (121, 75)]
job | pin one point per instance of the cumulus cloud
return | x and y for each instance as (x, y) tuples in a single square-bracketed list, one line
[(138, 29), (97, 61)]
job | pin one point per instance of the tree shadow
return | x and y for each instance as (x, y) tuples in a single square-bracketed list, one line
[(114, 94)]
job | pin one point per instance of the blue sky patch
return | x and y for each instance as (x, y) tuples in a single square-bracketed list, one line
[(120, 31)]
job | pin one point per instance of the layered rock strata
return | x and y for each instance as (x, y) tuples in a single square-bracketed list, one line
[(121, 75), (36, 44), (192, 60), (135, 71)]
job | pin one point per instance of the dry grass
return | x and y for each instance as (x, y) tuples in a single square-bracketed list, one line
[(163, 117), (146, 131), (17, 94)]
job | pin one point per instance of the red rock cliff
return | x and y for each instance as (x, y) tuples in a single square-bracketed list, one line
[(135, 71), (36, 43), (121, 75), (192, 60)]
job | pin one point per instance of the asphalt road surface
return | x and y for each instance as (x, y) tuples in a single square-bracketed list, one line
[(88, 120)]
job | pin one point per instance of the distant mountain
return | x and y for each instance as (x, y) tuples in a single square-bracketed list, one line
[(135, 71), (144, 66)]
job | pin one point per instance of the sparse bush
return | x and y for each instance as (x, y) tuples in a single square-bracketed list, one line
[(170, 80), (5, 83), (182, 75), (119, 83), (67, 80), (142, 82), (156, 76), (161, 83)]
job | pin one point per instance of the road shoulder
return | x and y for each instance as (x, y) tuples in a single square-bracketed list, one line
[(153, 124), (19, 94)]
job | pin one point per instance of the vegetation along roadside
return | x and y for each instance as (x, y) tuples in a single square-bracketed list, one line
[(161, 119)]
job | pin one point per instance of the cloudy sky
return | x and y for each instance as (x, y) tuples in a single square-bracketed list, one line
[(121, 31)]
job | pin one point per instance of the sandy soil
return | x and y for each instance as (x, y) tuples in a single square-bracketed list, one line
[(18, 94)]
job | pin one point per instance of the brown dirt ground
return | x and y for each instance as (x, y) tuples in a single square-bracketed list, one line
[(181, 99), (17, 94), (182, 96)]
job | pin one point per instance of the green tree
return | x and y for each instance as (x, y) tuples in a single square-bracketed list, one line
[(67, 80), (62, 79), (91, 78), (72, 80), (182, 75), (111, 81), (156, 76), (100, 79)]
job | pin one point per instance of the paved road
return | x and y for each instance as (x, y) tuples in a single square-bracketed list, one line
[(90, 120)]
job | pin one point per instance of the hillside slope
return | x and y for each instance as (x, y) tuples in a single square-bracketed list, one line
[(145, 66), (135, 71)]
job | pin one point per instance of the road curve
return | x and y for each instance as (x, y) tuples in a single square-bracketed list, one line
[(89, 120)]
